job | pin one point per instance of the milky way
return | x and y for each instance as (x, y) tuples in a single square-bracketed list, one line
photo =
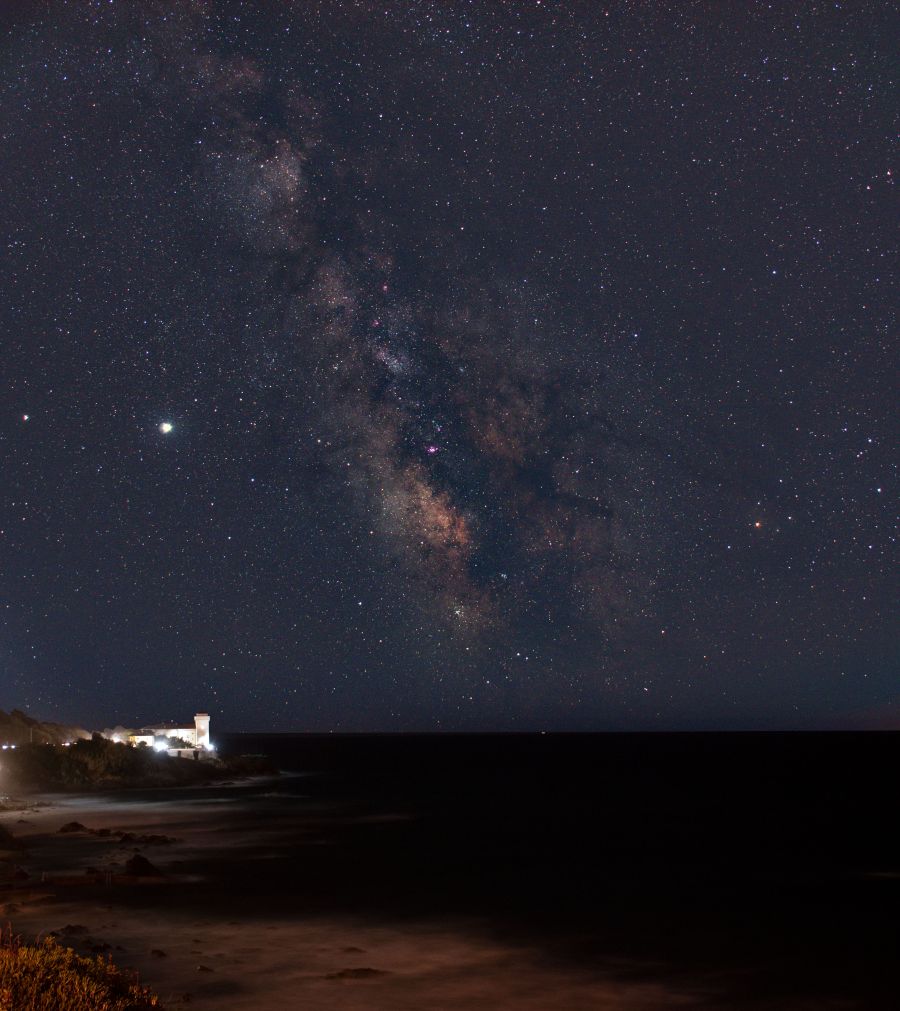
[(476, 450), (446, 367)]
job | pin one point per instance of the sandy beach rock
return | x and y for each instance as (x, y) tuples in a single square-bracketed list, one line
[(364, 972), (72, 826), (140, 867)]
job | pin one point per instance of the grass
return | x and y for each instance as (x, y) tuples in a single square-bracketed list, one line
[(47, 977)]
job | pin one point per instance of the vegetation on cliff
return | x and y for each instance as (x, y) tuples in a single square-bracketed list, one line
[(101, 763), (47, 977), (98, 762)]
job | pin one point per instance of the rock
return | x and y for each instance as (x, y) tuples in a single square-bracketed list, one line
[(140, 867), (72, 826), (158, 840), (73, 928), (362, 973), (158, 953), (204, 968)]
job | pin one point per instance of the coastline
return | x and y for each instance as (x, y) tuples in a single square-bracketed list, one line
[(196, 953), (749, 873)]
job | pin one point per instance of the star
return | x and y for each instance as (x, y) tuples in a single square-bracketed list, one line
[(165, 427)]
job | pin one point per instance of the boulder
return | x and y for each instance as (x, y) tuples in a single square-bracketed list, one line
[(140, 867)]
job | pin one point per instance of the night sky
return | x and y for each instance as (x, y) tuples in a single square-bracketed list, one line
[(448, 365)]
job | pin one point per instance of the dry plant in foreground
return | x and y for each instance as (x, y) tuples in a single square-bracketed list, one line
[(44, 976)]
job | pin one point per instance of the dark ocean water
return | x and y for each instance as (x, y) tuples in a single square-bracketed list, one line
[(770, 861)]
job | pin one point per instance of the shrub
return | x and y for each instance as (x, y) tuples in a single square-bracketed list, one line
[(47, 977), (99, 762)]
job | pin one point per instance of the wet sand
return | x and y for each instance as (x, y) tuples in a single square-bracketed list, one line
[(195, 956)]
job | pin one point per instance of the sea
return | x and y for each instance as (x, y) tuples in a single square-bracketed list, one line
[(762, 868)]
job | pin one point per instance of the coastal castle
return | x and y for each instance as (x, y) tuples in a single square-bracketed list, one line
[(176, 739)]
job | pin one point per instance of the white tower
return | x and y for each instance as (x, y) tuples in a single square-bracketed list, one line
[(201, 727)]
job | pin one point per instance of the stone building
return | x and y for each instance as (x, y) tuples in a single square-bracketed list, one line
[(159, 736)]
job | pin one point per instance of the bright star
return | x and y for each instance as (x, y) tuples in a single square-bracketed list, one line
[(165, 427)]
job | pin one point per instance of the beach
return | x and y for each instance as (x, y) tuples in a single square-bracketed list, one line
[(371, 891), (195, 956)]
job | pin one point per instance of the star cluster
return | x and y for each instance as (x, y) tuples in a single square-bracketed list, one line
[(445, 366)]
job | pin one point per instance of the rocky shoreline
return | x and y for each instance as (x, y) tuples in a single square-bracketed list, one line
[(217, 920)]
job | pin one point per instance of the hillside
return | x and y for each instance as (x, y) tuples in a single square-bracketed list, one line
[(18, 728)]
